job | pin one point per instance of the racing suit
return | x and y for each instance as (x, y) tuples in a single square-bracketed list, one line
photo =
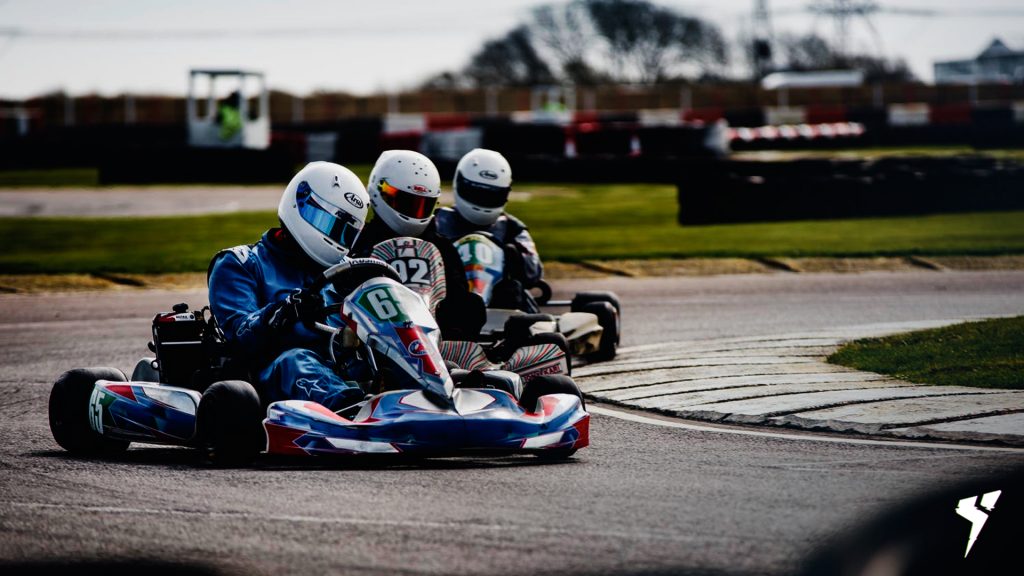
[(248, 284), (523, 268), (461, 314)]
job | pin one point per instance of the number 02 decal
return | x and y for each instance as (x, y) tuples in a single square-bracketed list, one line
[(412, 270)]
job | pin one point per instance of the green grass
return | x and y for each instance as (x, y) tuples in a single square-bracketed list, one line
[(987, 354), (639, 221), (50, 178), (142, 245), (569, 222)]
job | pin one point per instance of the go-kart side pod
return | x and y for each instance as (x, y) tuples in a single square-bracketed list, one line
[(143, 412)]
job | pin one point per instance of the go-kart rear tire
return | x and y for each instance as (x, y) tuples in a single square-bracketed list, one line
[(229, 423), (69, 412), (583, 298), (608, 318), (517, 327)]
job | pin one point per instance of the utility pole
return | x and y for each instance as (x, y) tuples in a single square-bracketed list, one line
[(761, 42), (843, 12)]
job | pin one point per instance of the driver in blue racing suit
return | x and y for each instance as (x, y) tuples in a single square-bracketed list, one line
[(482, 183), (258, 297)]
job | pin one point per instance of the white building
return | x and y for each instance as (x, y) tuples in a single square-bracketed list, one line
[(997, 64)]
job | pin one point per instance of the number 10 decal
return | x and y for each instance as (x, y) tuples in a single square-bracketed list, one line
[(481, 252)]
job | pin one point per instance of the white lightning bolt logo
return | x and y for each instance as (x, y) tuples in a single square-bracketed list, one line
[(968, 508)]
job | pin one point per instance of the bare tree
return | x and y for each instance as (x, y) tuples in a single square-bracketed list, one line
[(590, 42), (446, 80), (808, 52), (649, 43), (812, 52), (565, 30), (510, 60)]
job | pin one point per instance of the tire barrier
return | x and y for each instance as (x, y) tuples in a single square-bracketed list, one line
[(197, 165), (742, 191), (655, 133), (83, 146)]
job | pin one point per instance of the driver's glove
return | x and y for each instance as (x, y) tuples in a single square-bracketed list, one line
[(300, 306)]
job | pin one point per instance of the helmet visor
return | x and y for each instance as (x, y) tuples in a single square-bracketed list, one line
[(406, 203), (483, 195), (328, 219)]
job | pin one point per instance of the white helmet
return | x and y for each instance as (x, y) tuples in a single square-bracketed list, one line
[(324, 209), (404, 187), (483, 180)]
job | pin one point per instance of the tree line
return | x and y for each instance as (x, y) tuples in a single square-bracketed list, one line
[(590, 42)]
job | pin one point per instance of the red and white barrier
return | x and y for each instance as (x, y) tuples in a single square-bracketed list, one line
[(793, 132)]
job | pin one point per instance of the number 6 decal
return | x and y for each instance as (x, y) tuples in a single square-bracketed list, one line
[(382, 303)]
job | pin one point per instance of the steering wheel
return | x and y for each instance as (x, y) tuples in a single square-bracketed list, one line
[(345, 277)]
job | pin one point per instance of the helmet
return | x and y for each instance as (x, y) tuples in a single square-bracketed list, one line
[(483, 180), (404, 187), (324, 209)]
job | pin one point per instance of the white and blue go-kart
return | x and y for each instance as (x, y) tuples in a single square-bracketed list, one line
[(416, 405), (592, 327)]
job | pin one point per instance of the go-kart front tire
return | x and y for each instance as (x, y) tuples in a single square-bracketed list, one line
[(229, 423), (548, 384), (69, 412), (542, 386)]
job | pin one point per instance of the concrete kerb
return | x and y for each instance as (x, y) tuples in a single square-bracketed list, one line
[(554, 270), (784, 381)]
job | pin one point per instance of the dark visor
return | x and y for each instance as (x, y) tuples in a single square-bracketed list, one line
[(406, 203), (330, 221), (483, 195)]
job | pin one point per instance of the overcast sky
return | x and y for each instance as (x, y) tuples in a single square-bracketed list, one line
[(386, 45)]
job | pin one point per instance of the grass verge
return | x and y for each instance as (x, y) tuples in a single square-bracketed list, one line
[(639, 221), (988, 354), (569, 222), (52, 177), (129, 245)]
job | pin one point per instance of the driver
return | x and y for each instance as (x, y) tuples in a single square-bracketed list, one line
[(258, 297), (483, 181), (404, 188)]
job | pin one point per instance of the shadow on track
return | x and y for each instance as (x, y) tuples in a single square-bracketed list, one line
[(178, 457)]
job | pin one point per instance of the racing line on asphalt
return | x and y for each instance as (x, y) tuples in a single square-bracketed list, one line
[(656, 420)]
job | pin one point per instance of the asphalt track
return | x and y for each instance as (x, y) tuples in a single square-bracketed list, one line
[(646, 497)]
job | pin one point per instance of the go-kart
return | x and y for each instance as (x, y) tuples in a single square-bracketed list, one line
[(519, 349), (592, 326), (416, 405)]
